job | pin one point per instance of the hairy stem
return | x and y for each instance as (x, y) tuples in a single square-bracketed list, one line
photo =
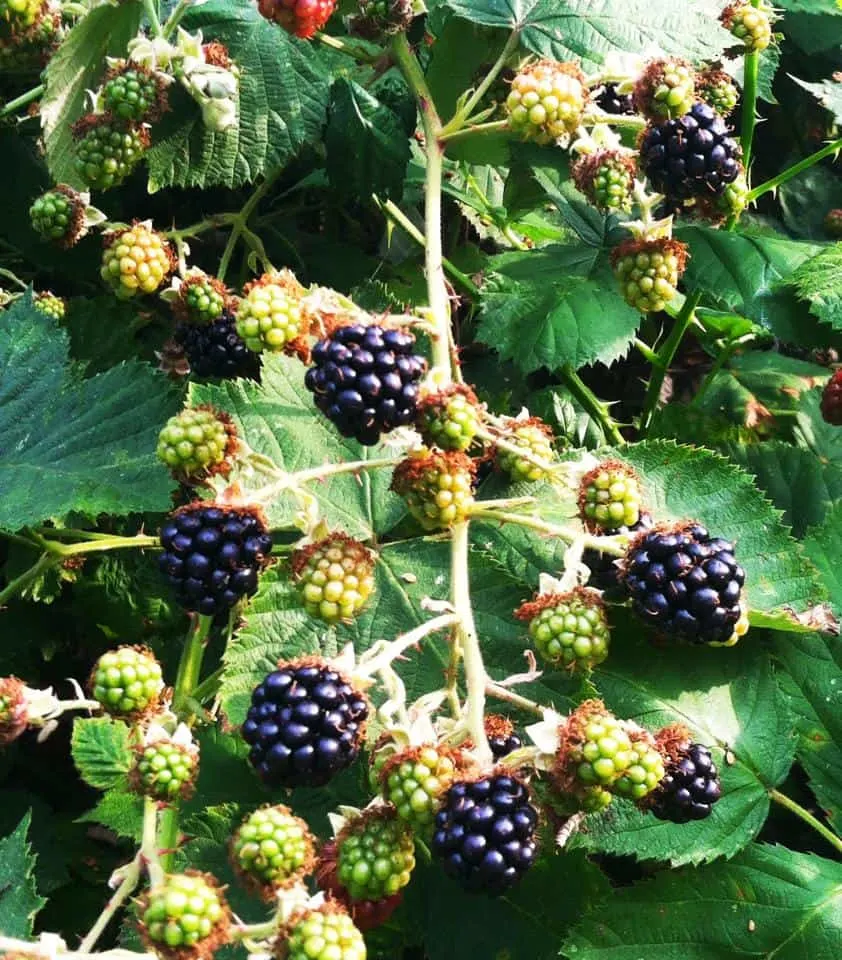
[(592, 404), (391, 651), (22, 101), (793, 171), (515, 699), (808, 818), (610, 545)]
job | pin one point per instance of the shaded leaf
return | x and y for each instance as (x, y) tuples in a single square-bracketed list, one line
[(19, 900)]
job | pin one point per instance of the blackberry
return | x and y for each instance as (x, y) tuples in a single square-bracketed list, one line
[(365, 380), (690, 157), (335, 576), (594, 750), (606, 178), (609, 497), (485, 833), (437, 487), (185, 910), (718, 91), (216, 351), (136, 260), (50, 305), (272, 849), (414, 779), (59, 215), (690, 786), (14, 714), (321, 933), (831, 402), (375, 854), (750, 24), (547, 100), (132, 92), (366, 914), (613, 102), (501, 734), (127, 681), (270, 315), (165, 770), (301, 18), (305, 724), (107, 149), (213, 554), (665, 89), (534, 437), (605, 572), (569, 629), (648, 271), (197, 443), (686, 583), (449, 419)]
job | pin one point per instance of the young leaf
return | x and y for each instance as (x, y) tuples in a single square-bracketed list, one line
[(70, 444), (101, 751), (19, 900)]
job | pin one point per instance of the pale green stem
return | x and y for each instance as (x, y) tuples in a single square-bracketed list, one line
[(515, 699), (13, 587), (592, 404), (130, 880), (22, 101), (381, 658), (610, 545), (240, 220), (150, 8), (795, 169), (463, 115), (808, 818), (175, 18), (750, 76)]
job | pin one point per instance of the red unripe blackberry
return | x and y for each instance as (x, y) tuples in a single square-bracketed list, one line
[(302, 18), (831, 402), (213, 554), (833, 223)]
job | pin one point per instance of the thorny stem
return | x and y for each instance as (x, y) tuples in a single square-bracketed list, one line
[(22, 101), (475, 129), (795, 169), (463, 115), (592, 404), (500, 692), (807, 817), (391, 651), (610, 545), (288, 481), (240, 220), (500, 441)]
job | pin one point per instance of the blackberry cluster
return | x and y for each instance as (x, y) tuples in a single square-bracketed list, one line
[(132, 93), (184, 910), (301, 18), (213, 554), (690, 787), (645, 771), (28, 51), (216, 351), (58, 215), (107, 149), (376, 855), (305, 724), (485, 833), (596, 748), (270, 315), (413, 781), (570, 630), (17, 15), (686, 583), (665, 89), (648, 271), (605, 573), (127, 681), (831, 402), (322, 933), (690, 157), (165, 770), (365, 380), (617, 104), (383, 18), (751, 24)]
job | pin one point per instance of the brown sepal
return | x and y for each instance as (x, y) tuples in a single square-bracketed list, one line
[(665, 245), (531, 608)]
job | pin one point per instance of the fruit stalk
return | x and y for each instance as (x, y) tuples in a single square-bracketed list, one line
[(807, 817), (772, 184), (592, 404), (463, 114)]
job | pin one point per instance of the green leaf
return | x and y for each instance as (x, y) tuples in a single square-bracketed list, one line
[(551, 307), (86, 446), (827, 92), (805, 199), (587, 30), (819, 282), (76, 68), (119, 811), (278, 419), (768, 902), (367, 144), (101, 751), (282, 105), (19, 900)]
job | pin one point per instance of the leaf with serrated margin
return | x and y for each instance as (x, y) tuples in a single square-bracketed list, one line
[(819, 282), (19, 900), (767, 902), (101, 751), (587, 30), (827, 92), (120, 811), (86, 446)]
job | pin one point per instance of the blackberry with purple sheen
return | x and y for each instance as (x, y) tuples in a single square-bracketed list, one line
[(365, 380), (690, 787), (216, 351), (306, 723)]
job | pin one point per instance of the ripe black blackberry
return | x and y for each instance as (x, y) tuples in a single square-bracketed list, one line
[(213, 554), (485, 833), (618, 104), (605, 574), (690, 157), (305, 723), (216, 351), (690, 787), (502, 737), (686, 583), (365, 380)]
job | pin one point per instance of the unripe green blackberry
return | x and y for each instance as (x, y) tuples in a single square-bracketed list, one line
[(196, 443), (272, 849), (547, 100), (321, 933), (606, 178), (17, 15), (270, 315), (136, 260), (376, 854), (50, 305), (751, 25), (437, 487), (718, 91), (185, 910), (594, 799), (14, 713), (645, 771), (335, 576), (833, 223), (201, 299), (132, 92), (534, 437), (127, 681), (665, 90), (382, 18), (594, 749), (569, 630), (648, 271), (58, 215), (449, 419), (107, 149), (609, 497), (734, 197), (414, 779), (165, 770)]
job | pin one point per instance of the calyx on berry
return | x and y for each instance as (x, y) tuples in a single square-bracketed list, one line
[(325, 932), (185, 915), (547, 100), (127, 681), (570, 629), (375, 854), (648, 271), (609, 496), (270, 315), (448, 419), (665, 89), (437, 487), (199, 442), (302, 18), (165, 766), (14, 715), (606, 178), (272, 849), (136, 260), (335, 576), (534, 437), (59, 215)]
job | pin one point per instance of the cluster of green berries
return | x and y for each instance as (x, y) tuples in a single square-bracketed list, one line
[(58, 215), (665, 90), (546, 101), (17, 15), (136, 260), (376, 855), (335, 576), (609, 497), (201, 299), (414, 780), (127, 681), (132, 92), (533, 437), (322, 933), (107, 149), (270, 315), (569, 630), (751, 25), (648, 271), (718, 91), (185, 910), (196, 442), (437, 487), (606, 178), (449, 419), (271, 849), (165, 770), (28, 51), (51, 305)]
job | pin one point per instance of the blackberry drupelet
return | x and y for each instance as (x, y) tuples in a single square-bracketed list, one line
[(213, 554), (686, 583), (485, 833), (690, 787), (306, 723), (216, 351), (365, 380)]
